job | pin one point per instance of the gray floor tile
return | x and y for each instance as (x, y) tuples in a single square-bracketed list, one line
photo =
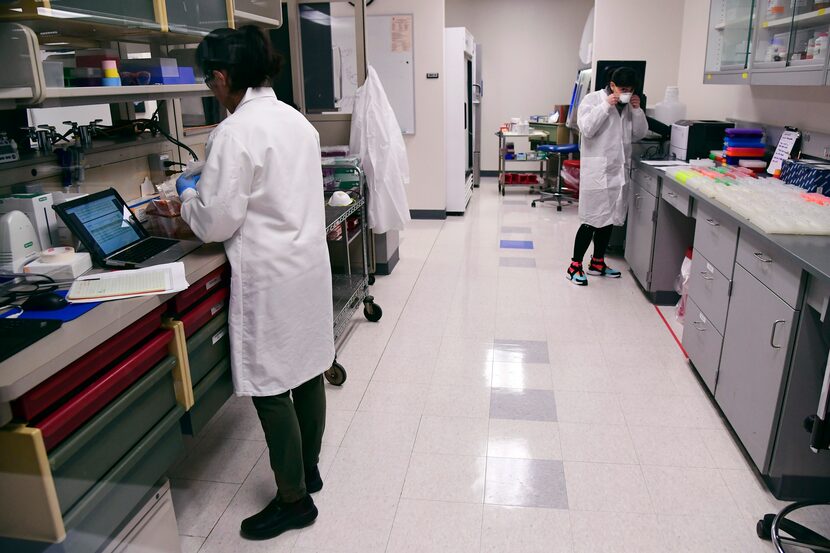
[(519, 262), (516, 404), (520, 351), (516, 230), (526, 483)]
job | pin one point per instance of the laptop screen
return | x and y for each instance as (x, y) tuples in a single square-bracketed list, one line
[(103, 220)]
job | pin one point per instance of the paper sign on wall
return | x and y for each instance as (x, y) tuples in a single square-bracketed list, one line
[(402, 33), (782, 152)]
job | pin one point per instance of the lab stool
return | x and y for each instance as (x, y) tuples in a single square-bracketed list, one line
[(553, 190), (786, 534)]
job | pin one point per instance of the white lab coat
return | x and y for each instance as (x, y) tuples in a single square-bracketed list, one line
[(605, 154), (376, 138), (261, 194)]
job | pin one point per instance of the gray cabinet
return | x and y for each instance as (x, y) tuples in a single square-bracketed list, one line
[(640, 233), (702, 342), (755, 354), (710, 290)]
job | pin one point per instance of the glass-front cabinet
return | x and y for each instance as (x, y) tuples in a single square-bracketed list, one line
[(730, 41), (791, 42)]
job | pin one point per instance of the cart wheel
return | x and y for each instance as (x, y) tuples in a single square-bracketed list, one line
[(371, 280), (502, 191), (559, 208), (372, 311), (336, 375), (532, 204), (764, 527)]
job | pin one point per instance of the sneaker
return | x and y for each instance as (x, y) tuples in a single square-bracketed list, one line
[(279, 517), (313, 481), (576, 274), (599, 268)]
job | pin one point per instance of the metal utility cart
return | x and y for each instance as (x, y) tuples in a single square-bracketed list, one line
[(346, 226), (505, 175)]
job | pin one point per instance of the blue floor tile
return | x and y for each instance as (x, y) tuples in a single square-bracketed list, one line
[(517, 244)]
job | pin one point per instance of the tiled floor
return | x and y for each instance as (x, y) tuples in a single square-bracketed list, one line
[(496, 408)]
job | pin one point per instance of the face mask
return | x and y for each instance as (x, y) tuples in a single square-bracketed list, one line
[(625, 97)]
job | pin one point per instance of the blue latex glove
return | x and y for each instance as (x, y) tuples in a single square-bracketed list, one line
[(183, 183)]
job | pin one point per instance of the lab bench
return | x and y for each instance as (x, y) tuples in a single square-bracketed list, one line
[(757, 321), (100, 408)]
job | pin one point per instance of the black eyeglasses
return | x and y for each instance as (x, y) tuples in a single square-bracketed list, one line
[(209, 78)]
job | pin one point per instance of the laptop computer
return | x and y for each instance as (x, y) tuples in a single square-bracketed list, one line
[(18, 334), (114, 237)]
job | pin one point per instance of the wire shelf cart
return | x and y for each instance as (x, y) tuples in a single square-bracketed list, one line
[(346, 227), (531, 177)]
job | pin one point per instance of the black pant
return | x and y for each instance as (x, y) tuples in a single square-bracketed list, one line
[(601, 237), (294, 433)]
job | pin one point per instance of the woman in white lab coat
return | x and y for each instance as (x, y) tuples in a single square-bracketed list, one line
[(609, 120), (260, 192)]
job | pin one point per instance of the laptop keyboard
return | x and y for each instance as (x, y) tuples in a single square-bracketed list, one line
[(144, 250)]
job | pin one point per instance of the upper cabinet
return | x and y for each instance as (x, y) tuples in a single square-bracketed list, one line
[(729, 42), (791, 43), (768, 42)]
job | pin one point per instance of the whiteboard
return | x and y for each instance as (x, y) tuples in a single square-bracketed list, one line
[(389, 49)]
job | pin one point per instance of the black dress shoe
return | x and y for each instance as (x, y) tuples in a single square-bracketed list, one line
[(278, 517), (313, 481)]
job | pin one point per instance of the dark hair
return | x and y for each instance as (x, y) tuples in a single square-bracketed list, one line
[(624, 76), (245, 53)]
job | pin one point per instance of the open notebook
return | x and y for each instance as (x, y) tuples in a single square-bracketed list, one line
[(159, 279)]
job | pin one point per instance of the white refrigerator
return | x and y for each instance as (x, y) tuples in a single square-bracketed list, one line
[(459, 129)]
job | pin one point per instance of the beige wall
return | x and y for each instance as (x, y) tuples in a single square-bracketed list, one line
[(804, 107), (530, 57), (642, 30), (426, 147)]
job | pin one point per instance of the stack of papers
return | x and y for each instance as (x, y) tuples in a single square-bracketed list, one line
[(118, 285)]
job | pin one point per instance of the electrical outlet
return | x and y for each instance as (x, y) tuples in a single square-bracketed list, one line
[(157, 168)]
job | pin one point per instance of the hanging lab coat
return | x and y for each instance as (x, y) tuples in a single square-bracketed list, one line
[(261, 194), (605, 154), (377, 140)]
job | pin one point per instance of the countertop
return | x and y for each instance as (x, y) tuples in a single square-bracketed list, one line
[(811, 253), (28, 368)]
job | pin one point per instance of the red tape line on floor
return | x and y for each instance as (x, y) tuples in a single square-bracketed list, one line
[(671, 330)]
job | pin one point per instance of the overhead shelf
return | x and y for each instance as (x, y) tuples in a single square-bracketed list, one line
[(816, 17), (75, 96)]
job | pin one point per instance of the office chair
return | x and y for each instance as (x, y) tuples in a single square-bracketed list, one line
[(553, 192)]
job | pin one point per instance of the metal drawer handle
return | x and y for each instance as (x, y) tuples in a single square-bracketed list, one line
[(713, 222), (700, 326), (671, 194), (763, 258), (707, 276), (772, 336)]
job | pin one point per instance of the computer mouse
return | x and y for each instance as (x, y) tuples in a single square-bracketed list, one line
[(48, 301)]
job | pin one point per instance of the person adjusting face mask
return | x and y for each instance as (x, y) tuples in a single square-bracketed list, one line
[(609, 120), (260, 192)]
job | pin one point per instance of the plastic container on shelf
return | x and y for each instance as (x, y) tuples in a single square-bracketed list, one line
[(670, 110), (821, 44), (570, 172)]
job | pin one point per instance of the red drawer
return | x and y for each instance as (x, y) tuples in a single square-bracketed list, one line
[(86, 403), (204, 311), (200, 289), (39, 399)]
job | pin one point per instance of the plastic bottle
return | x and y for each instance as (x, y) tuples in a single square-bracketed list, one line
[(820, 50), (670, 110)]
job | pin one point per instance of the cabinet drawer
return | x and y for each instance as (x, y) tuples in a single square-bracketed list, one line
[(100, 513), (89, 401), (702, 343), (56, 388), (716, 237), (646, 180), (208, 345), (83, 458), (710, 290), (777, 274), (204, 311), (678, 199), (210, 395), (200, 289)]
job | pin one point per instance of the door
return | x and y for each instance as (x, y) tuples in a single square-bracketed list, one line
[(640, 233), (753, 364)]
